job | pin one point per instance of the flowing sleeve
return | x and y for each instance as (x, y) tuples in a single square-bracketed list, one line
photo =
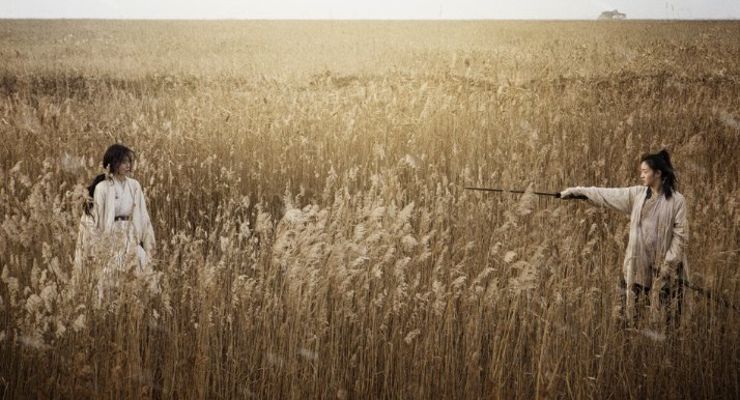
[(620, 199), (98, 214), (148, 239), (677, 246)]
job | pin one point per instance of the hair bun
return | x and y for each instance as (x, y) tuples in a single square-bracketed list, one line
[(664, 155)]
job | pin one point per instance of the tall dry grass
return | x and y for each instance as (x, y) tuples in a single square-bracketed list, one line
[(305, 182)]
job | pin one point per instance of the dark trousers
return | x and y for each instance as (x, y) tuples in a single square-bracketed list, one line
[(670, 301)]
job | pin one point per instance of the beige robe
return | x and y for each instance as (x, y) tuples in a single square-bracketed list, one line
[(648, 261), (672, 225)]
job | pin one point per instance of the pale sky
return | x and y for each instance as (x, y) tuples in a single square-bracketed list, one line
[(368, 9)]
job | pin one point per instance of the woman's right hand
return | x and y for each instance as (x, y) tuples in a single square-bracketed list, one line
[(566, 194), (570, 193)]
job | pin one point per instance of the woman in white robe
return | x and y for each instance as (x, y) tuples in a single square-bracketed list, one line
[(115, 233)]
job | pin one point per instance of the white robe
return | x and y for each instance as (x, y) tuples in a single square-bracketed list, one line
[(119, 243), (104, 212)]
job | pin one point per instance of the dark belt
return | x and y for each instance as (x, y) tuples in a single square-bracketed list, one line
[(122, 218)]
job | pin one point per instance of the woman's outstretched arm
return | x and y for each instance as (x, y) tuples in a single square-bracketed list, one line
[(620, 199)]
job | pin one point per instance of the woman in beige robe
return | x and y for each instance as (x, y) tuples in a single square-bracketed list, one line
[(655, 257)]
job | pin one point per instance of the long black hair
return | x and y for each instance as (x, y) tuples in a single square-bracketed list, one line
[(661, 161), (112, 159)]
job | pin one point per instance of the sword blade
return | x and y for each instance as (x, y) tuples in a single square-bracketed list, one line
[(509, 191)]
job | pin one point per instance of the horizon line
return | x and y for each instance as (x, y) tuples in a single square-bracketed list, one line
[(355, 19)]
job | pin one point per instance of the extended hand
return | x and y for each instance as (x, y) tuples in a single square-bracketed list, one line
[(568, 194)]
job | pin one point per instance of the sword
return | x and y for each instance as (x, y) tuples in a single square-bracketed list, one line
[(556, 195), (716, 297)]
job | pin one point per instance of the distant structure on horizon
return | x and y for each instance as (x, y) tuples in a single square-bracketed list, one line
[(613, 14)]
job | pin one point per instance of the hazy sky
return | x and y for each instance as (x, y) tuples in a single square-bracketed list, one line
[(367, 9)]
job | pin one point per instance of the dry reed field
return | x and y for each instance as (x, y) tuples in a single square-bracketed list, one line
[(305, 181)]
